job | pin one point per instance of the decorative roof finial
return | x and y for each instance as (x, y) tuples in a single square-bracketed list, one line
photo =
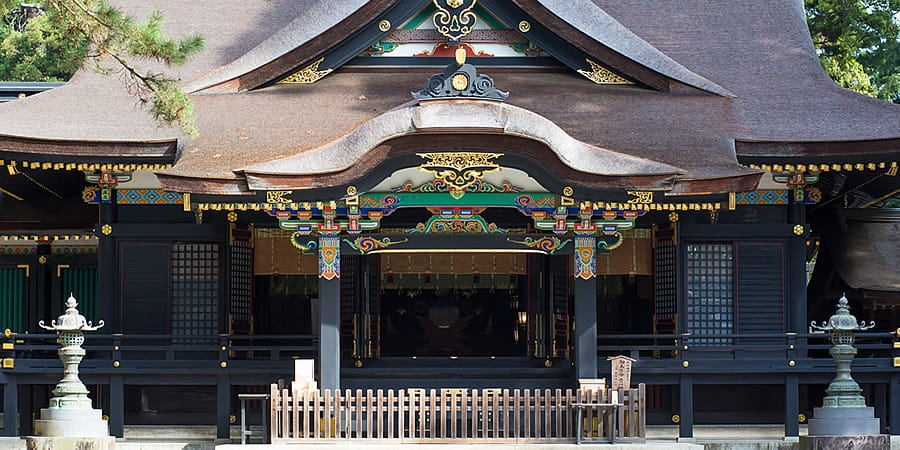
[(460, 80)]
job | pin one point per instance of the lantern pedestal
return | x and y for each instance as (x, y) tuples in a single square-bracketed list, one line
[(844, 421)]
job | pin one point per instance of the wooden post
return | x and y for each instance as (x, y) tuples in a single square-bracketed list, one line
[(791, 406), (116, 406), (329, 313), (585, 309), (11, 406), (107, 268), (223, 407), (686, 401)]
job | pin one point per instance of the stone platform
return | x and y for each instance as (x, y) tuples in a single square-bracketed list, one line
[(70, 443)]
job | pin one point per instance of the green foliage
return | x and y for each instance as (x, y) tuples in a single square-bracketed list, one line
[(34, 50), (859, 43), (54, 44)]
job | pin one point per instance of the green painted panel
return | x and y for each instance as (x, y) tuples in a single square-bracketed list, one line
[(82, 283), (12, 298)]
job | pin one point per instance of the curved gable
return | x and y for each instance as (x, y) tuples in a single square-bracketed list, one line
[(316, 43)]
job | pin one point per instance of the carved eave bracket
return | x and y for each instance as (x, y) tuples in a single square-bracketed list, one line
[(460, 80)]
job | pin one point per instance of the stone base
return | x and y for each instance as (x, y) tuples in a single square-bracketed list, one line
[(70, 443), (71, 423), (870, 442), (844, 422)]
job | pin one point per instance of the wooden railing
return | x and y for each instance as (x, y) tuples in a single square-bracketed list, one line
[(451, 415)]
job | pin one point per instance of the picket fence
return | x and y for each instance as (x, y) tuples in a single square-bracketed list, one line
[(453, 415)]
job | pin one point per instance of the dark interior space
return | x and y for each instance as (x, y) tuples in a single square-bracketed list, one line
[(451, 322)]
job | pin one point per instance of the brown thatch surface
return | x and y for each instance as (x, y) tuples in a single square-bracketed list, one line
[(758, 56)]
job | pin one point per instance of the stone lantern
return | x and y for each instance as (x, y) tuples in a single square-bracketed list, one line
[(844, 420), (70, 413)]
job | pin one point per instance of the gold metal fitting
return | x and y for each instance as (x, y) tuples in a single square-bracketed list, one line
[(384, 26), (9, 346), (685, 364), (105, 417), (524, 26), (792, 363), (232, 217), (791, 347), (9, 363), (897, 361), (222, 348), (42, 259), (232, 418), (223, 364), (799, 230), (801, 417), (673, 217), (676, 418), (548, 363), (116, 348), (358, 363), (106, 229), (685, 347), (115, 364), (8, 333)]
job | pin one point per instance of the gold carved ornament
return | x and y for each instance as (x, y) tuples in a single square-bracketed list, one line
[(454, 22), (459, 169), (601, 75), (641, 197), (307, 75)]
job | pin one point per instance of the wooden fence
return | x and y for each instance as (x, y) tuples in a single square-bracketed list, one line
[(451, 415)]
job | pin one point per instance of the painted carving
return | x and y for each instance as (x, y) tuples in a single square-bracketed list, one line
[(329, 257), (454, 18), (459, 170), (366, 244), (549, 244), (585, 257)]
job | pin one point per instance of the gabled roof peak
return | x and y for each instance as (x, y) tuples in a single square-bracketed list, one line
[(577, 32)]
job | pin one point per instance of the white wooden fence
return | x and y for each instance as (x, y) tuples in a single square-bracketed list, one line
[(451, 415)]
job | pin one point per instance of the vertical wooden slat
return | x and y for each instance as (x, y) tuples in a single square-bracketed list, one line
[(295, 414), (466, 416), (526, 400), (622, 414), (517, 413), (273, 414), (368, 409), (642, 414), (558, 414), (285, 414), (401, 401), (391, 410), (505, 413), (432, 418), (338, 413)]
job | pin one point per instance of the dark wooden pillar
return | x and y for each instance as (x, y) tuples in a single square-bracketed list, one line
[(107, 300), (585, 307), (10, 406), (116, 406), (586, 328), (223, 407), (329, 313), (791, 406), (796, 275), (686, 406), (894, 406)]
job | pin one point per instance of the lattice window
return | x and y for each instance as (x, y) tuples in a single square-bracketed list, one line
[(665, 280), (195, 289), (241, 274), (710, 292)]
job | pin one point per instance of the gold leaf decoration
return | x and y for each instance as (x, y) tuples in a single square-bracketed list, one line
[(601, 75), (307, 75)]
